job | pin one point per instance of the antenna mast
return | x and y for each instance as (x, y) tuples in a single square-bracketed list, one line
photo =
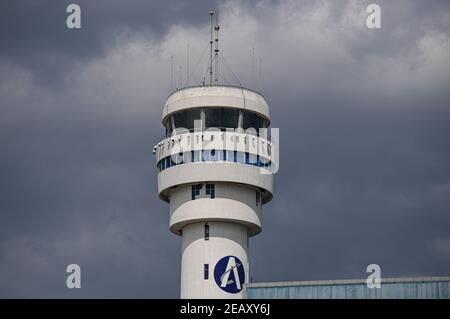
[(187, 65), (216, 51), (211, 51), (253, 66), (171, 72)]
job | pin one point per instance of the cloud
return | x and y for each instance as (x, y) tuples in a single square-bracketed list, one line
[(363, 117)]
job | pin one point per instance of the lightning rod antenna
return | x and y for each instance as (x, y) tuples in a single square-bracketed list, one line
[(253, 66), (171, 72), (260, 72), (187, 65), (211, 13), (216, 53)]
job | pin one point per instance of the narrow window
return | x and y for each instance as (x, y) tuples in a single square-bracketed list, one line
[(198, 187), (206, 231), (206, 271), (213, 192), (258, 198), (205, 155), (230, 156), (210, 190), (195, 190), (240, 157)]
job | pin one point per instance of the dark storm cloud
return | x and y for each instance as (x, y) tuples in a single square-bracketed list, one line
[(33, 33), (363, 117)]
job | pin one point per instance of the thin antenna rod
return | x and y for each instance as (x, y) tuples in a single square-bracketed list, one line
[(187, 65), (171, 72), (253, 66), (260, 72), (181, 78), (211, 51), (216, 53)]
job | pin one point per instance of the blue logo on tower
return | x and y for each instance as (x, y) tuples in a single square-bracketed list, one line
[(229, 274)]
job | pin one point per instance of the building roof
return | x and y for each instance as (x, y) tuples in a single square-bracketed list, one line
[(391, 288)]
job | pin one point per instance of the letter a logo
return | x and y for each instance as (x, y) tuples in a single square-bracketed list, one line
[(229, 274)]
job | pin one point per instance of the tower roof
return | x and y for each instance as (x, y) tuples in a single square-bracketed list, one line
[(216, 96)]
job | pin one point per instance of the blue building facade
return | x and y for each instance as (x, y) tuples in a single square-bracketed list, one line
[(391, 288)]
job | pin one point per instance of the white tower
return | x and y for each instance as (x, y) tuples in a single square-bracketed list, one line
[(215, 169)]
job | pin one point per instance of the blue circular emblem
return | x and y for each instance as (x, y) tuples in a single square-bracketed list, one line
[(229, 274)]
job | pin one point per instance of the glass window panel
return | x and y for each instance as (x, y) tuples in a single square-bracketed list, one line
[(253, 121), (180, 119), (173, 160), (213, 155), (206, 231), (196, 156), (230, 156), (240, 157), (251, 159), (187, 157), (249, 120), (230, 118), (206, 155), (259, 123), (168, 126), (205, 271), (213, 191), (191, 116), (221, 155), (213, 117)]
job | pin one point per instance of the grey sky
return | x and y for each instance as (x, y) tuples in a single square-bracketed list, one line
[(364, 139)]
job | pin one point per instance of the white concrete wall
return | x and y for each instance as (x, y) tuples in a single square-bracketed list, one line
[(214, 172), (232, 202), (225, 239)]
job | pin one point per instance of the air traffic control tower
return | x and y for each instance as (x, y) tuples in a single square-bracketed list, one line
[(215, 169)]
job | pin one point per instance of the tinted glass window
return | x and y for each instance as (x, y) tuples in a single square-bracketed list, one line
[(185, 119), (249, 120), (168, 126), (230, 118), (191, 116), (213, 117), (260, 122), (205, 271), (253, 120), (180, 119), (221, 117)]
